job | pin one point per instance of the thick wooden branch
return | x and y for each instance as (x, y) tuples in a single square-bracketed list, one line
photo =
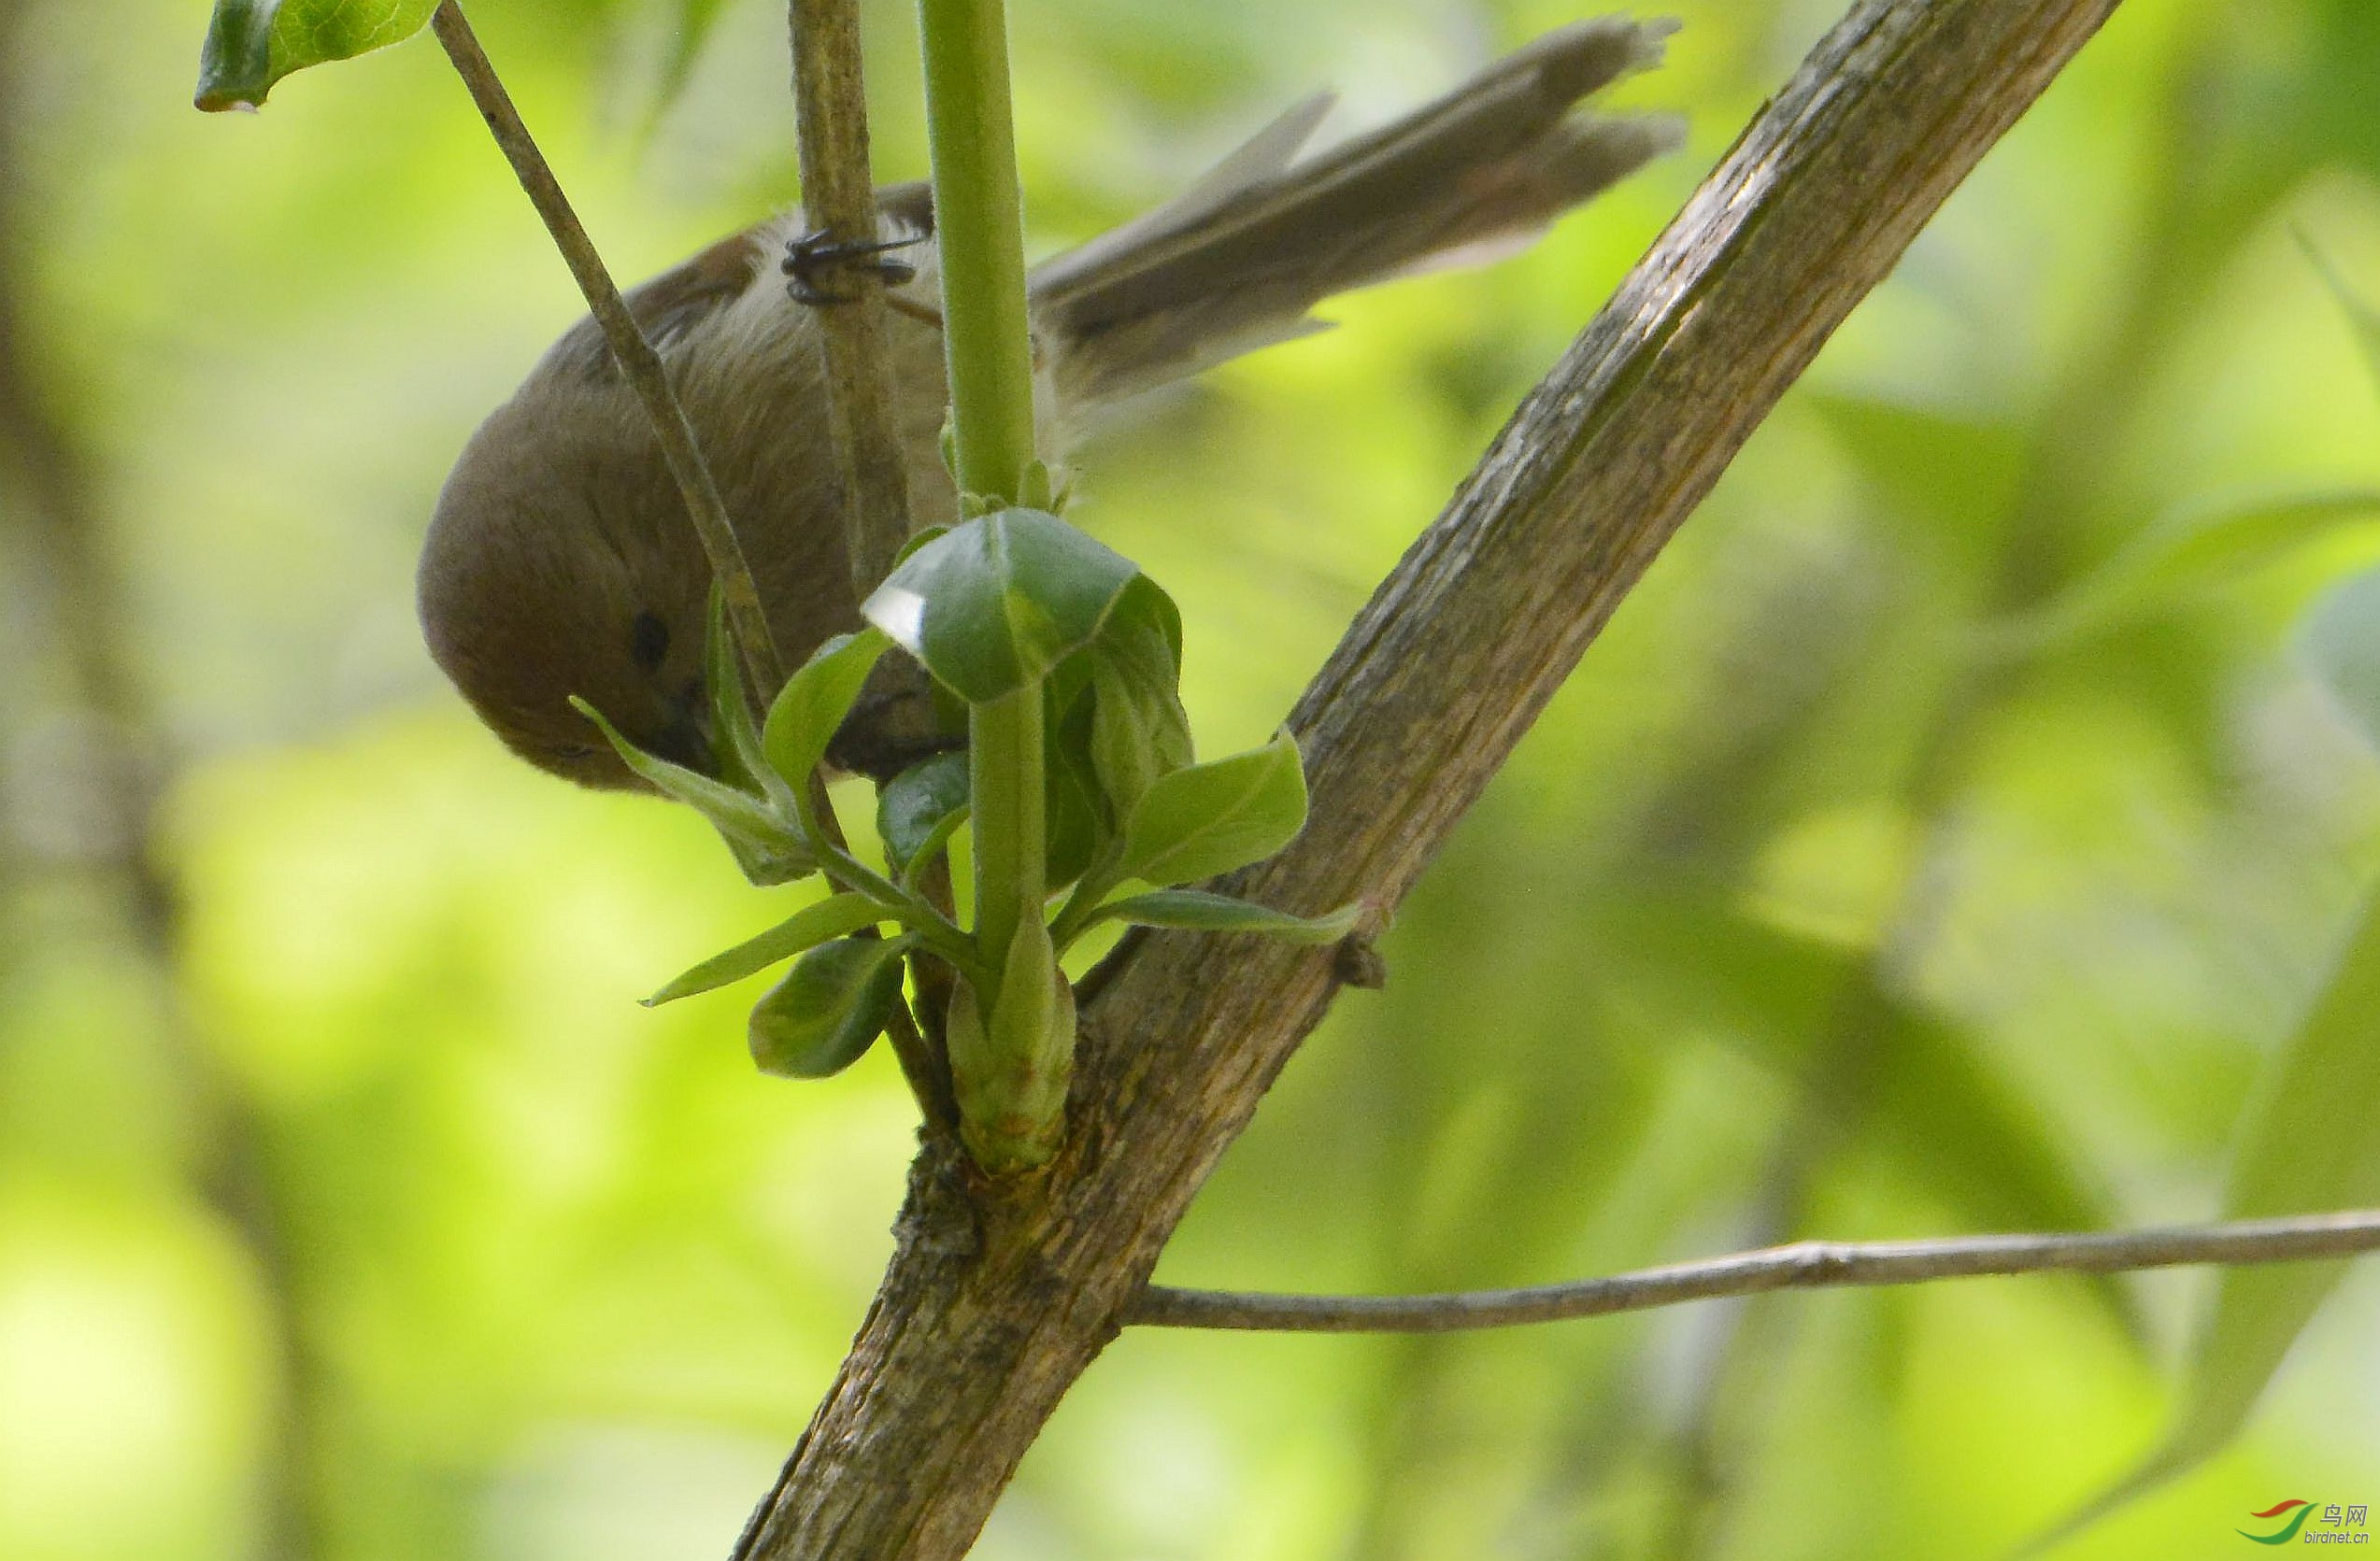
[(1802, 1266), (997, 1300)]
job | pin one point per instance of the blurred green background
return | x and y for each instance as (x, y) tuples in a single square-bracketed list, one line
[(1950, 834)]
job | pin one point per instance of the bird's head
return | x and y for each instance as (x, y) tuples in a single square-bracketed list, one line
[(559, 564)]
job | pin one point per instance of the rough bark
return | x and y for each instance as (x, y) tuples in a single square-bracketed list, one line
[(997, 1300)]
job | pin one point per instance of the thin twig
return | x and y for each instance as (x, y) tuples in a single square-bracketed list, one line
[(838, 201), (924, 1067), (1802, 1266), (638, 362)]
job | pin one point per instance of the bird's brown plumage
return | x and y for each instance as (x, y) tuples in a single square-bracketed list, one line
[(560, 562)]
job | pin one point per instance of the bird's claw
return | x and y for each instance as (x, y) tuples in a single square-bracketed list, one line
[(814, 257)]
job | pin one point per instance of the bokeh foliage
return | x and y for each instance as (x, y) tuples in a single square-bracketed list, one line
[(1948, 835)]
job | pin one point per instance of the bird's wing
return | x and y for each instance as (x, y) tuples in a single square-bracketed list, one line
[(672, 303)]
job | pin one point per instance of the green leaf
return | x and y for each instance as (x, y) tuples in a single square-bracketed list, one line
[(767, 865), (935, 845), (2360, 310), (994, 604), (758, 835), (251, 44), (2310, 1144), (1068, 687), (1932, 1096), (830, 1007), (835, 917), (736, 740), (2188, 552), (919, 809), (1956, 1125), (1147, 607), (735, 750), (813, 701), (696, 18), (1945, 473), (2204, 545), (921, 538), (1211, 819), (1198, 911), (1077, 821), (1139, 731), (2340, 644), (1034, 1017)]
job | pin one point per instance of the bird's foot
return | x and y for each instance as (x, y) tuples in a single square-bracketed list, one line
[(815, 259)]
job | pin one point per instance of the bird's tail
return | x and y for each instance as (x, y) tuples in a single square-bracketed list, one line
[(1237, 262)]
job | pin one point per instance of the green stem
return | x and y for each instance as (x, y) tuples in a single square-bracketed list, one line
[(1082, 906), (1011, 1091), (899, 901), (1004, 762), (934, 853), (979, 232), (979, 227)]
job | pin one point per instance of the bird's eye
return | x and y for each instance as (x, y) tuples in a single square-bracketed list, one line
[(571, 753), (648, 641)]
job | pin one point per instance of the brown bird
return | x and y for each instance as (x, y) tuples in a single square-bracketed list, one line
[(561, 561)]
